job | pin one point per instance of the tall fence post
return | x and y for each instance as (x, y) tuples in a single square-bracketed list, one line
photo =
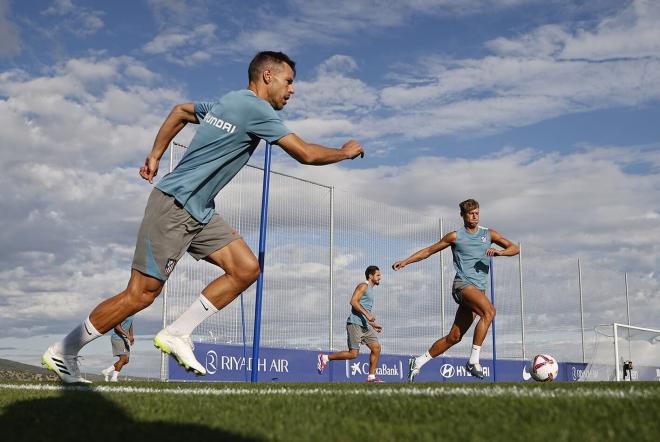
[(625, 278), (442, 283), (522, 300), (492, 327), (332, 262), (262, 263), (581, 308)]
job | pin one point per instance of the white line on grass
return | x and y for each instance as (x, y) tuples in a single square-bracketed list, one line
[(495, 391)]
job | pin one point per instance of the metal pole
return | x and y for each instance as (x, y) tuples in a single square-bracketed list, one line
[(522, 300), (262, 259), (332, 258), (581, 308), (442, 282), (616, 352), (625, 275), (163, 356), (492, 327)]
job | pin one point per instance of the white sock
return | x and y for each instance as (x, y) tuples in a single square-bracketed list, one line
[(110, 368), (191, 318), (371, 376), (78, 338), (474, 356), (115, 375), (423, 359), (325, 358)]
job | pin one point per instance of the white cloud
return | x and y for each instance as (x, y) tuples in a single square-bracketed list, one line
[(186, 47), (77, 20)]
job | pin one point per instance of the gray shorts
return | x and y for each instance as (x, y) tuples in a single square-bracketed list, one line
[(457, 290), (120, 347), (359, 335), (168, 231)]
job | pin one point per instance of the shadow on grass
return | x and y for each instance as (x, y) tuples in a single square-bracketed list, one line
[(88, 416)]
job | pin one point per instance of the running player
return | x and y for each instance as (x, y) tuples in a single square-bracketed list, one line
[(471, 249), (122, 339), (360, 326), (180, 213)]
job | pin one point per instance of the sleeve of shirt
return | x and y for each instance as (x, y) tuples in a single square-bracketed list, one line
[(266, 124), (202, 108)]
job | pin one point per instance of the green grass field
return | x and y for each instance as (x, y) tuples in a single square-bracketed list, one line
[(150, 411)]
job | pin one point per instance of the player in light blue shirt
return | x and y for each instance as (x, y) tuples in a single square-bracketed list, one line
[(361, 327), (122, 339), (180, 215), (471, 247)]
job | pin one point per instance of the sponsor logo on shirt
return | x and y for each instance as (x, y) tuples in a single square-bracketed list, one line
[(220, 124)]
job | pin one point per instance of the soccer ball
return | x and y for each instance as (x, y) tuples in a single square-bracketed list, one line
[(544, 368)]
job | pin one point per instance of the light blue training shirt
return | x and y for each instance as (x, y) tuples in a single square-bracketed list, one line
[(229, 131), (367, 302), (470, 260), (126, 325)]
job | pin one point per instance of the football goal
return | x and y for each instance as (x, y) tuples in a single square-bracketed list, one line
[(624, 353)]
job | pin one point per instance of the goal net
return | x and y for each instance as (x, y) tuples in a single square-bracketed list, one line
[(623, 352)]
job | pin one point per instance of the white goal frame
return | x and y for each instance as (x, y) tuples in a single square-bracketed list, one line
[(615, 327)]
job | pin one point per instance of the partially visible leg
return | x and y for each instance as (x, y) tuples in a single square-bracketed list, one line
[(61, 357), (140, 293), (343, 355), (462, 322), (476, 300), (241, 270), (373, 357), (480, 305), (123, 360)]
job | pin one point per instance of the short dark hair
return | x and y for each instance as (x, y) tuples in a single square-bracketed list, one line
[(468, 205), (265, 58), (370, 271)]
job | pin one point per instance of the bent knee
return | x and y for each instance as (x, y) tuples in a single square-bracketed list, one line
[(353, 353), (489, 314), (141, 298), (246, 273)]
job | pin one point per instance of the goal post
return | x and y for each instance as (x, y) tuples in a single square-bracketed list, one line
[(624, 352)]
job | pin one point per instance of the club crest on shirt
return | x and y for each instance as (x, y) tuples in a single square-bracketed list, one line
[(483, 239), (170, 265)]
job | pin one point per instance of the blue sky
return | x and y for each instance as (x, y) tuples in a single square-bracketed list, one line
[(546, 111)]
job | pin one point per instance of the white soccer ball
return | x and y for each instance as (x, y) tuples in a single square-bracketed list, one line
[(544, 368)]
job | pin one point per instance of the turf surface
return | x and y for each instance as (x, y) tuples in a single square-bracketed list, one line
[(150, 411)]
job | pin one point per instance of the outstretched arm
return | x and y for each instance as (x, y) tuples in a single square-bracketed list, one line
[(445, 242), (316, 154), (510, 249), (180, 115), (355, 301)]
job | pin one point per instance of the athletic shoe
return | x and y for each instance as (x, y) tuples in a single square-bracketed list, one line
[(64, 366), (114, 380), (181, 347), (321, 364), (475, 370), (375, 380), (413, 370), (106, 373)]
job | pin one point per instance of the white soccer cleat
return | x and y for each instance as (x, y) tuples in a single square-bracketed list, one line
[(413, 370), (64, 366), (106, 373), (181, 347)]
